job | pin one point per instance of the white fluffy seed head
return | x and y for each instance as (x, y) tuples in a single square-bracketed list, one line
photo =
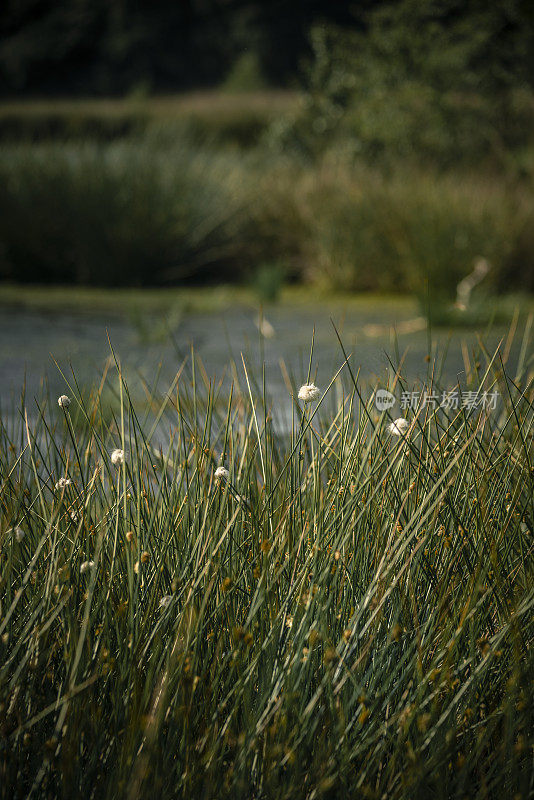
[(63, 401), (117, 457), (221, 473), (17, 532), (63, 483), (165, 601), (309, 392), (399, 426), (86, 566)]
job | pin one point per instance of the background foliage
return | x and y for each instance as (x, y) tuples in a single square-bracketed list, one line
[(425, 79), (407, 156)]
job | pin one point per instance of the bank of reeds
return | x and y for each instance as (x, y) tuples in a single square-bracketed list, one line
[(160, 209)]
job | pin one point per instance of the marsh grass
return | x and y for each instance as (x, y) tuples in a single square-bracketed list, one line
[(351, 613), (166, 209)]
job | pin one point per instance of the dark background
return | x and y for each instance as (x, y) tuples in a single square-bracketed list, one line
[(98, 47), (102, 47)]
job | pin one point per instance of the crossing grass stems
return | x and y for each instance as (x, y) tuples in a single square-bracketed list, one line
[(345, 613)]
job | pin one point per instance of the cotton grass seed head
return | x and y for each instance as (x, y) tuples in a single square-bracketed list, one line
[(63, 401), (117, 457), (222, 474), (399, 426), (17, 532), (86, 566), (63, 483), (309, 392)]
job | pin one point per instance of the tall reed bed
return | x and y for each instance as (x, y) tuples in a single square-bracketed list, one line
[(321, 609), (162, 209)]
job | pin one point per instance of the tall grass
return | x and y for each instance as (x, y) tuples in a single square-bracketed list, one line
[(349, 614)]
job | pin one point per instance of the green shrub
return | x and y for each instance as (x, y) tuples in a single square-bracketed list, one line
[(423, 80)]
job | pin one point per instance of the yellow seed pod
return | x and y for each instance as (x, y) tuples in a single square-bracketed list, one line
[(396, 632), (313, 636), (330, 655)]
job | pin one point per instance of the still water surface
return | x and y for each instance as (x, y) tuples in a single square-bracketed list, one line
[(30, 341)]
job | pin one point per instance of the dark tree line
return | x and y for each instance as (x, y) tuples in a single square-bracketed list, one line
[(110, 46), (114, 46)]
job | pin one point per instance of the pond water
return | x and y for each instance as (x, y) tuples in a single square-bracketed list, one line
[(30, 342)]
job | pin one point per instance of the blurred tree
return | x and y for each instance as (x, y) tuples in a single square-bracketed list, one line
[(442, 78)]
